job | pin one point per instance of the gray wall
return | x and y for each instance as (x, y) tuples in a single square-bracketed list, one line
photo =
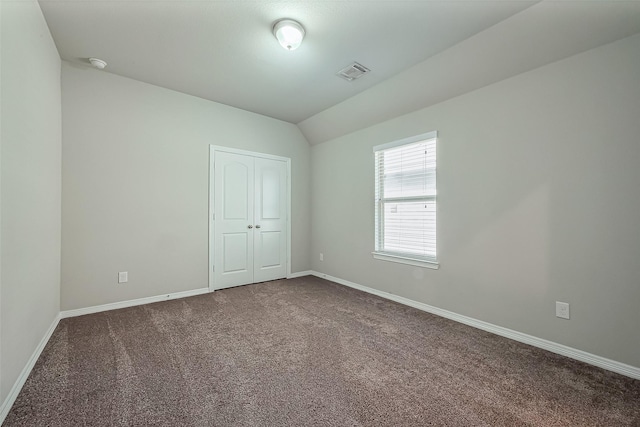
[(30, 186), (135, 185), (538, 201)]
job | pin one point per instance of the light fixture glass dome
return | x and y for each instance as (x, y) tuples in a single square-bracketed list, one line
[(98, 63), (289, 33)]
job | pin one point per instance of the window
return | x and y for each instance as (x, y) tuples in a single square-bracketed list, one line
[(405, 202)]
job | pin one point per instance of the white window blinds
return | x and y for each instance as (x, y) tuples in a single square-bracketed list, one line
[(405, 206)]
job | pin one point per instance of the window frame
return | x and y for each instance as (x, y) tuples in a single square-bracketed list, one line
[(397, 256)]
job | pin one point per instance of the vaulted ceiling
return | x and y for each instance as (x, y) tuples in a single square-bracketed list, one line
[(225, 51)]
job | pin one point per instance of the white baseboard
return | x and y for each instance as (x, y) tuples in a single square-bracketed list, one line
[(300, 274), (22, 378), (583, 356), (131, 303)]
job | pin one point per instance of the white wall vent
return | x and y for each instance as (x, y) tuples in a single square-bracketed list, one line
[(353, 71)]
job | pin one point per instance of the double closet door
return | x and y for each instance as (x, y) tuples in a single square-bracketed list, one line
[(249, 213)]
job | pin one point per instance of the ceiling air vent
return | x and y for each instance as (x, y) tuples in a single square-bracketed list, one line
[(353, 71)]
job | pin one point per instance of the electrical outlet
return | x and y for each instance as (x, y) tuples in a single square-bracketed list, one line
[(123, 277), (321, 256), (562, 310)]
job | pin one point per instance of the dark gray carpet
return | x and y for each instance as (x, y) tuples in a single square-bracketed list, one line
[(306, 352)]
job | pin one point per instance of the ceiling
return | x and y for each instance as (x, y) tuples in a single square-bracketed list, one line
[(224, 51), (544, 33)]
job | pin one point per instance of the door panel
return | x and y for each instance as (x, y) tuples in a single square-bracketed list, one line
[(270, 193), (236, 191), (235, 253), (270, 247), (234, 210)]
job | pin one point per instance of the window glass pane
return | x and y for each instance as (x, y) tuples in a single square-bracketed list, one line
[(409, 170), (409, 227)]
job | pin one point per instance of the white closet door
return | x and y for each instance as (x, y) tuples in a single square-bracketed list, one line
[(270, 232), (234, 197), (250, 210)]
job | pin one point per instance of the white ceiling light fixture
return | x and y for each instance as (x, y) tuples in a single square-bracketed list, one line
[(289, 33), (98, 63)]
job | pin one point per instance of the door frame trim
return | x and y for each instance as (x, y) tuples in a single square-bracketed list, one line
[(212, 151)]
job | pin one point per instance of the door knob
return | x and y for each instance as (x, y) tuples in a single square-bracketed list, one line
[(249, 226), (257, 226)]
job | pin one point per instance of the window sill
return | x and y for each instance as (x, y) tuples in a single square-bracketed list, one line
[(406, 260)]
